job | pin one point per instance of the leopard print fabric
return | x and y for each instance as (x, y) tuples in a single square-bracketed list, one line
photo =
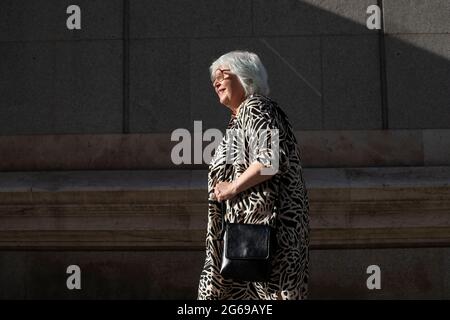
[(258, 204)]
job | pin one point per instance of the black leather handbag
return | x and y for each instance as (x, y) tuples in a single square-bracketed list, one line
[(248, 250)]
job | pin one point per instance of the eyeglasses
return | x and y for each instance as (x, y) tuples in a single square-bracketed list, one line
[(220, 76)]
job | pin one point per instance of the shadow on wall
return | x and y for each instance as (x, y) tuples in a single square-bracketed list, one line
[(326, 68), (329, 72)]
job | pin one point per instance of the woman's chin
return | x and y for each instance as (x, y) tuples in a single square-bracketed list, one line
[(224, 101)]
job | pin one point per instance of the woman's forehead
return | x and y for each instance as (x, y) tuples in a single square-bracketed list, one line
[(220, 68)]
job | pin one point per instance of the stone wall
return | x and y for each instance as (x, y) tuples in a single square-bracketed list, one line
[(85, 152)]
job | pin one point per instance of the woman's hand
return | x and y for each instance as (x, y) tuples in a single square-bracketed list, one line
[(249, 178), (224, 190)]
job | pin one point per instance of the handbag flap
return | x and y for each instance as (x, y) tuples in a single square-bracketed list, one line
[(247, 241)]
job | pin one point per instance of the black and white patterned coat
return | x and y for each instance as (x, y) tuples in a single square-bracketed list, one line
[(289, 276)]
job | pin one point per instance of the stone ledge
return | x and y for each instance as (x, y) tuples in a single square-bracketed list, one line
[(167, 210), (152, 151)]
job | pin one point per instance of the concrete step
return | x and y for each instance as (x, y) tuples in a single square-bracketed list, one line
[(161, 209)]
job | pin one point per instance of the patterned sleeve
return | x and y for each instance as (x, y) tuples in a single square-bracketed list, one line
[(263, 136)]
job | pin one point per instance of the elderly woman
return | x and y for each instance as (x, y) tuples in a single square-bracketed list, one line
[(252, 196)]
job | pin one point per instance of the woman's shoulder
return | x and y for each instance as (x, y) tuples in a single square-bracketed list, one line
[(257, 103), (258, 100)]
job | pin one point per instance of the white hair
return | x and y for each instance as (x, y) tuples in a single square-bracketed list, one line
[(247, 67)]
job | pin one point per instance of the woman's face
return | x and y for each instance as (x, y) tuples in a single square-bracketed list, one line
[(228, 88)]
